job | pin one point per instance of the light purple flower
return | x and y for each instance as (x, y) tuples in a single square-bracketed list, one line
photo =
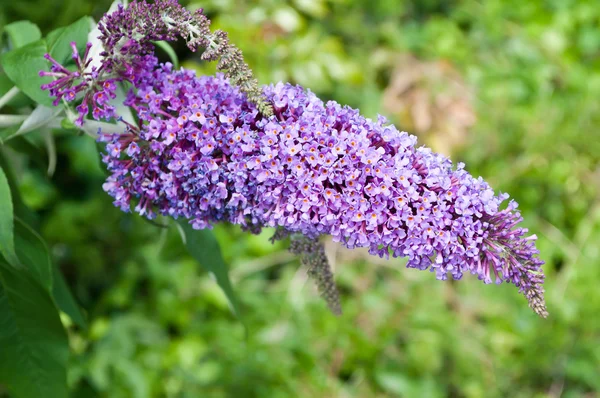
[(204, 152)]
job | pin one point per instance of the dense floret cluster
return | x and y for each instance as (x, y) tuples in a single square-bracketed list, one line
[(205, 152), (127, 37)]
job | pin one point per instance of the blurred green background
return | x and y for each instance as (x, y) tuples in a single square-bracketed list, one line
[(510, 87)]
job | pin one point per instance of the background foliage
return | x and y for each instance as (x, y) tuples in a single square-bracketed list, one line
[(510, 87)]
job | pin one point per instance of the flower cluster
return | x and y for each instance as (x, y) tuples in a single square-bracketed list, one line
[(126, 36), (205, 152), (67, 85)]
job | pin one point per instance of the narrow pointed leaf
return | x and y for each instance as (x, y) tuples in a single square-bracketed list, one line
[(203, 246), (33, 254), (40, 116), (64, 299), (18, 205), (7, 225), (168, 49)]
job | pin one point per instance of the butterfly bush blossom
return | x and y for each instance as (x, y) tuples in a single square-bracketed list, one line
[(218, 148)]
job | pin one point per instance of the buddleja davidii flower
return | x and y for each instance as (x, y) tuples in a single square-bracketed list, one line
[(127, 35), (68, 85), (512, 257), (130, 31), (314, 169), (411, 202)]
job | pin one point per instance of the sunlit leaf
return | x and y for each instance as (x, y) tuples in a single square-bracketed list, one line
[(23, 65), (21, 33)]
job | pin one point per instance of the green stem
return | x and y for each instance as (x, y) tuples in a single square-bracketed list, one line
[(10, 94), (11, 120)]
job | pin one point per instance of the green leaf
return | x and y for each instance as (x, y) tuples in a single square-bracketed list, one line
[(33, 254), (22, 66), (59, 40), (24, 144), (27, 146), (203, 246), (34, 345), (7, 228), (18, 205), (168, 49), (40, 117), (21, 33), (64, 299)]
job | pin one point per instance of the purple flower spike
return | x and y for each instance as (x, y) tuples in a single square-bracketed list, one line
[(207, 151), (289, 171)]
